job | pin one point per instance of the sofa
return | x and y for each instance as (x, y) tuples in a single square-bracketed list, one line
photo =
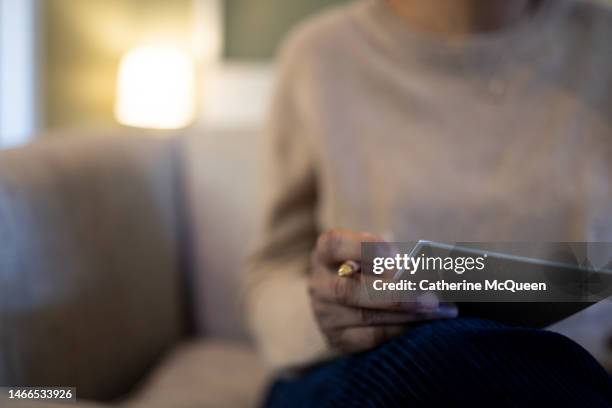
[(120, 268)]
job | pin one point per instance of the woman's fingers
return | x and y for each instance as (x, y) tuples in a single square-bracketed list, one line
[(351, 313), (357, 291)]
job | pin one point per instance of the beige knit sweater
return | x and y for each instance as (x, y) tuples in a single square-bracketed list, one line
[(374, 127)]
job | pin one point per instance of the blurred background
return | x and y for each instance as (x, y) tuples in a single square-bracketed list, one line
[(61, 62), (97, 240)]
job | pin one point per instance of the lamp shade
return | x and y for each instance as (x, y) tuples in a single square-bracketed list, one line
[(155, 88)]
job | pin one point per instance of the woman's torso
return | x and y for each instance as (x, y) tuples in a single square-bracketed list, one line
[(465, 144)]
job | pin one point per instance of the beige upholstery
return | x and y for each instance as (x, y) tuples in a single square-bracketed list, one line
[(196, 374), (221, 169), (204, 374), (90, 292), (99, 281)]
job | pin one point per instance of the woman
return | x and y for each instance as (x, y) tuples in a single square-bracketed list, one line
[(448, 120)]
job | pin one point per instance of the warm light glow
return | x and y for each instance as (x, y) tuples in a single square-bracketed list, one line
[(155, 88)]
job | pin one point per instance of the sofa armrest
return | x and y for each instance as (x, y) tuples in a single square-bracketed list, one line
[(90, 290)]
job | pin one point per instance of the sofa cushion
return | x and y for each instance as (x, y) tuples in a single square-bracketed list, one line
[(222, 179), (90, 262), (204, 374)]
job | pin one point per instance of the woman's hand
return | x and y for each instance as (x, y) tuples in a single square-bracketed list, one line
[(348, 317)]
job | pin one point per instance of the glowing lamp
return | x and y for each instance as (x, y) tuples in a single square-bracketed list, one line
[(155, 88)]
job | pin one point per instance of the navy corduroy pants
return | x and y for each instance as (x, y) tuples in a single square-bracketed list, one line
[(455, 363)]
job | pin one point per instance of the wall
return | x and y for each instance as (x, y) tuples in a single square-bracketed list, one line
[(82, 42), (254, 28)]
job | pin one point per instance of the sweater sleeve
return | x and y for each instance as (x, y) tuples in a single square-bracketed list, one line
[(277, 303)]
